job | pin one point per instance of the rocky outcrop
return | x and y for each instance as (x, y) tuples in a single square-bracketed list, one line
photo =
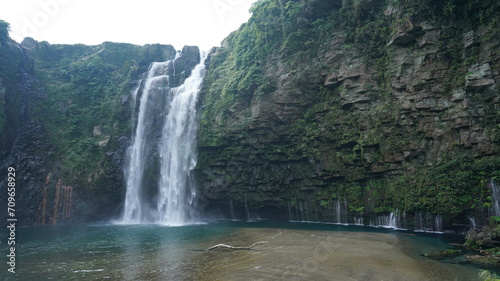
[(189, 56)]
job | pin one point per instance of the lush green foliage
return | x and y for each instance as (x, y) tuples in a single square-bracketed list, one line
[(486, 275), (236, 72), (474, 12), (4, 30), (85, 86)]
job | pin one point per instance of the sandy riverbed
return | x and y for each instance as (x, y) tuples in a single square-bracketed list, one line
[(317, 255)]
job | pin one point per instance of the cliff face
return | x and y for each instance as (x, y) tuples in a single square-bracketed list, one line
[(378, 105), (69, 120), (17, 88)]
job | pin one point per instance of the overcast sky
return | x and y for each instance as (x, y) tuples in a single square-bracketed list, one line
[(177, 22)]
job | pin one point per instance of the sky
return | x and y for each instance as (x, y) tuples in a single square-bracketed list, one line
[(204, 23)]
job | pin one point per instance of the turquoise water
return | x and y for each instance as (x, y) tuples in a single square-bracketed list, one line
[(150, 252), (113, 252)]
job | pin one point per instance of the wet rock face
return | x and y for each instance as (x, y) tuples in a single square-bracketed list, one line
[(315, 9), (335, 115), (479, 77), (15, 86), (182, 67), (19, 138), (29, 165)]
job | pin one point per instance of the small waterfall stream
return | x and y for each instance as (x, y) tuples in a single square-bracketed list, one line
[(387, 221), (495, 193), (472, 223), (340, 211)]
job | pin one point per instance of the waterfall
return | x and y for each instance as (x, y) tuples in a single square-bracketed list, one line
[(418, 223), (290, 217), (428, 223), (231, 209), (340, 211), (302, 213), (439, 223), (134, 209), (246, 208), (176, 149), (393, 221), (390, 221), (472, 223), (495, 210), (358, 221)]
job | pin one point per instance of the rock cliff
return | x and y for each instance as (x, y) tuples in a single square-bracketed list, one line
[(379, 106)]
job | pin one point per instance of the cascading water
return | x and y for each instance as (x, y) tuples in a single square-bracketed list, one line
[(390, 221), (427, 222), (358, 221), (438, 224), (134, 207), (231, 210), (472, 223), (177, 153), (246, 208), (340, 211), (495, 192)]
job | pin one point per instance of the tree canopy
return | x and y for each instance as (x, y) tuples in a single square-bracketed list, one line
[(4, 29)]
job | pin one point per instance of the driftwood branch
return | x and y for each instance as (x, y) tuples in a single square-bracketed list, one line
[(235, 248)]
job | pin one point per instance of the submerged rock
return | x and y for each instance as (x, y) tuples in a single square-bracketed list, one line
[(484, 260), (444, 254)]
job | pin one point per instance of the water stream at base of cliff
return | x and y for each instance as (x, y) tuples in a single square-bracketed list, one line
[(295, 251), (175, 149)]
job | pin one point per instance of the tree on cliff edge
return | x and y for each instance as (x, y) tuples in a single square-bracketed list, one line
[(4, 30)]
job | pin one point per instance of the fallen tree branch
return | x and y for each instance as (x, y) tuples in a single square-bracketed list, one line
[(235, 248)]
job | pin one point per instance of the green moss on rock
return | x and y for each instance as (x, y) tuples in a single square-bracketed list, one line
[(443, 254)]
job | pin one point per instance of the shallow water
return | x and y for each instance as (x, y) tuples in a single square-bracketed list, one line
[(295, 251)]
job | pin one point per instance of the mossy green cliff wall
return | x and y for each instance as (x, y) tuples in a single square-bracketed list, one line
[(385, 105)]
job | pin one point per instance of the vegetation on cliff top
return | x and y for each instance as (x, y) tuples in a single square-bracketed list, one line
[(87, 87), (4, 30)]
